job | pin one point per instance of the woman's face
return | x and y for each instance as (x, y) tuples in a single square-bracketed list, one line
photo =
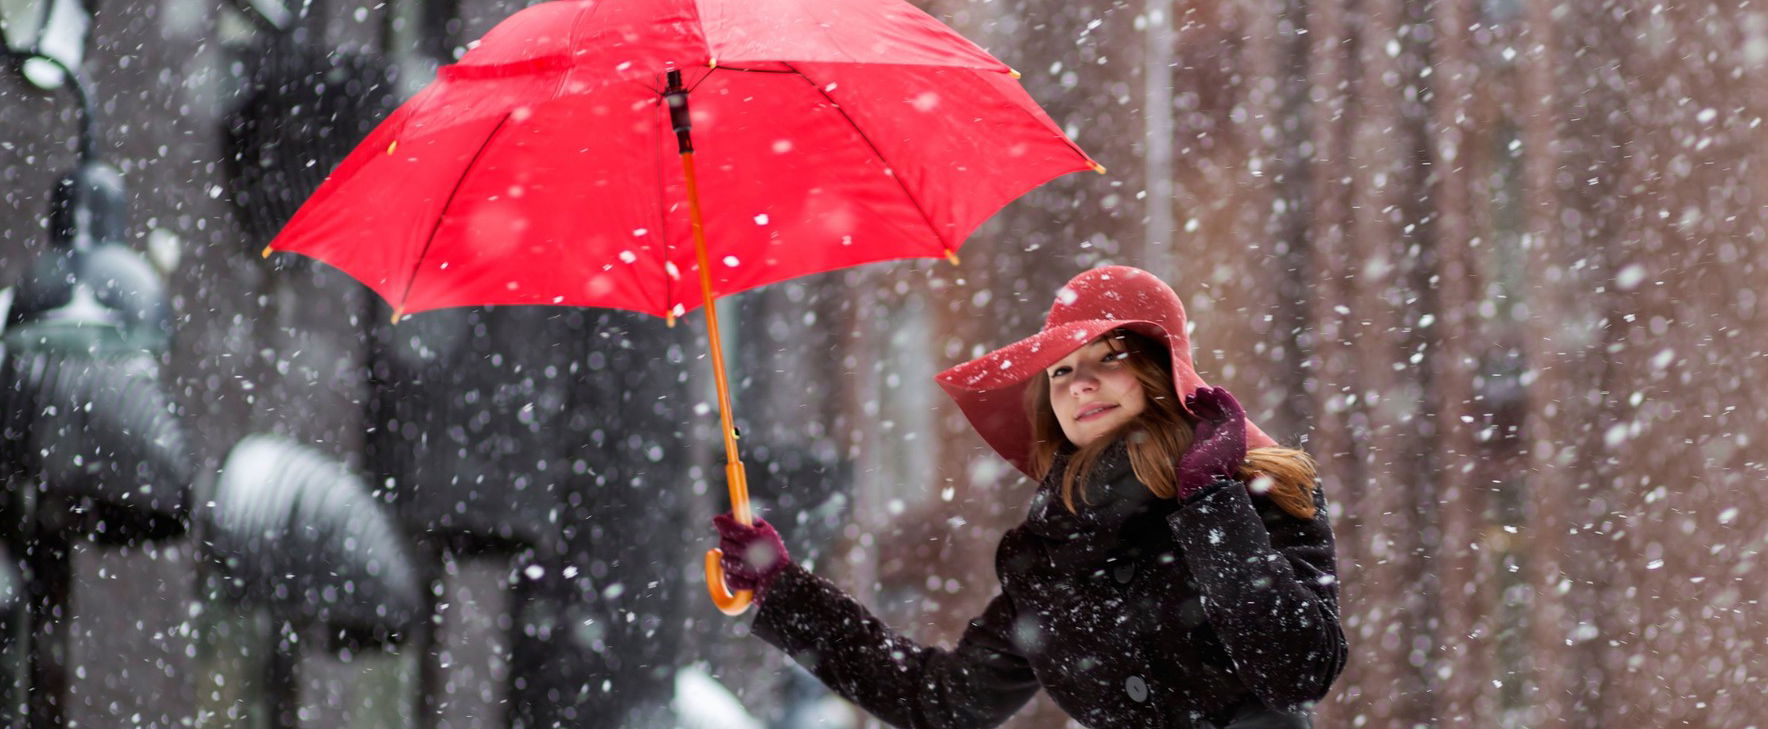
[(1094, 390)]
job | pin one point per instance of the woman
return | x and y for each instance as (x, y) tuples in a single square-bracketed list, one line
[(1165, 577)]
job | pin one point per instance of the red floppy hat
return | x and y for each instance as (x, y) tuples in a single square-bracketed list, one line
[(991, 389)]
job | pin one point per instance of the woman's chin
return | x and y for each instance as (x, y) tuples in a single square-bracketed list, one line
[(1094, 430)]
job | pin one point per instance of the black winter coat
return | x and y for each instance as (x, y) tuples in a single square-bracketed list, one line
[(1136, 613)]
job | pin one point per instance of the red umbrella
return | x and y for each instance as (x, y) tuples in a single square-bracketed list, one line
[(538, 169)]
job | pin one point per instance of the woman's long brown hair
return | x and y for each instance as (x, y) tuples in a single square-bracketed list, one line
[(1158, 437)]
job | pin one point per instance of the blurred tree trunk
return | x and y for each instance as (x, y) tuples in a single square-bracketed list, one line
[(1334, 356), (1464, 667), (1567, 165)]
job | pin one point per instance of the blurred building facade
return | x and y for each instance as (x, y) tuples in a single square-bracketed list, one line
[(1494, 263)]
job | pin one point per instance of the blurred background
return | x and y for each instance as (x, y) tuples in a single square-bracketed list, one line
[(1495, 263)]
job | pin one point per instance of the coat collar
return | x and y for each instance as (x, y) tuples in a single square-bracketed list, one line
[(1114, 497)]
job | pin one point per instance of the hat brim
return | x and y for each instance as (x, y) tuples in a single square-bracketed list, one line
[(991, 389)]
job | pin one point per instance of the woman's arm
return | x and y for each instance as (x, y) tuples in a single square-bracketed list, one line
[(1269, 590), (978, 684)]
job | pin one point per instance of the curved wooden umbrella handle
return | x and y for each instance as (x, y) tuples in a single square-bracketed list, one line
[(728, 602)]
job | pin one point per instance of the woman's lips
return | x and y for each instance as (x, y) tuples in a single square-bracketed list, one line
[(1093, 412)]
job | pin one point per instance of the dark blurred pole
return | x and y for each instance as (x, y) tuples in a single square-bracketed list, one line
[(282, 688), (48, 582), (1288, 61), (15, 641), (426, 640), (12, 639)]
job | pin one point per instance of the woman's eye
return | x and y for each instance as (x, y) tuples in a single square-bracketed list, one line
[(1116, 356), (1059, 371)]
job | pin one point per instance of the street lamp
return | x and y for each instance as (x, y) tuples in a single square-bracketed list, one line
[(82, 337), (88, 291), (91, 449)]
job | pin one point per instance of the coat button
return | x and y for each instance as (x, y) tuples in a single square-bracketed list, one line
[(1124, 572), (1136, 688)]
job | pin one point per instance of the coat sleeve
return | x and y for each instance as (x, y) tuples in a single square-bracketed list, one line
[(978, 684), (1269, 589)]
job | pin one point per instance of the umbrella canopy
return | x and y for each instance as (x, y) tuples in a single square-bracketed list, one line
[(540, 169)]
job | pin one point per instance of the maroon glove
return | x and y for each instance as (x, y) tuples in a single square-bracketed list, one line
[(1218, 446), (753, 554)]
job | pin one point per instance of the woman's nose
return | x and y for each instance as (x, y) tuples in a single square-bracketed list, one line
[(1082, 382)]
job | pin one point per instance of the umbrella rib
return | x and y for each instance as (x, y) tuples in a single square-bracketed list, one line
[(1071, 144), (757, 70), (925, 218), (443, 213)]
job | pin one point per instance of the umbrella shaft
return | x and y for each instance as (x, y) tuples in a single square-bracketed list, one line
[(733, 466)]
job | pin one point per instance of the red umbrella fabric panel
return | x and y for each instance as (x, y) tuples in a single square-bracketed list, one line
[(580, 201), (543, 168), (635, 40)]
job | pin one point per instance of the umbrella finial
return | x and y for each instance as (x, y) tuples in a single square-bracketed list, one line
[(952, 256), (1099, 168), (398, 313), (1014, 73), (267, 251), (669, 319), (392, 146)]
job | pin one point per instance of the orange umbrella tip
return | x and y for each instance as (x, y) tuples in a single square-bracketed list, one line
[(669, 319), (1099, 168), (398, 314), (952, 256), (1013, 72), (392, 146), (712, 64), (267, 251)]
